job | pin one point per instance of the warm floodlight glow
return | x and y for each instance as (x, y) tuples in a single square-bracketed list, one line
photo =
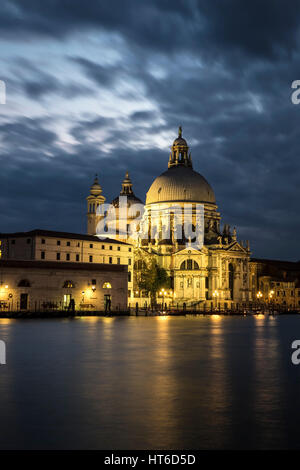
[(106, 285), (215, 317)]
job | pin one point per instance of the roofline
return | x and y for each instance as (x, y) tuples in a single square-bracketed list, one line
[(55, 234), (263, 260)]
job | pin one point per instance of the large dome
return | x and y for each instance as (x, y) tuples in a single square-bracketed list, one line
[(180, 184)]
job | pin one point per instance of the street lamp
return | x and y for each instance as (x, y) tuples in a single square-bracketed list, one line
[(271, 293), (259, 296), (215, 296), (162, 294)]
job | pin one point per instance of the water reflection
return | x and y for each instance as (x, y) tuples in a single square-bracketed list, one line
[(269, 406), (157, 382)]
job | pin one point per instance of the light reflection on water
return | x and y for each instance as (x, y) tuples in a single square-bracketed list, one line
[(158, 382)]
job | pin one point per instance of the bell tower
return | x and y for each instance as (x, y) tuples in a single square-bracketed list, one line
[(94, 200)]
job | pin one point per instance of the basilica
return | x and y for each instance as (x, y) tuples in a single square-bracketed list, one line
[(208, 265)]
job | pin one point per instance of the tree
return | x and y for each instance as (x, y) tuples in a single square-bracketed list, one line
[(153, 278)]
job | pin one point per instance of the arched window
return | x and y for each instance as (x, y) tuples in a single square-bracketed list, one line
[(69, 284), (106, 285), (24, 283), (189, 264)]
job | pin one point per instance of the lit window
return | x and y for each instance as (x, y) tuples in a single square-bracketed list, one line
[(106, 285)]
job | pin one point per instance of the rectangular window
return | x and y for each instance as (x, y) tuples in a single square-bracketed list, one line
[(57, 256), (28, 241), (78, 243), (110, 260), (129, 276), (68, 243), (103, 247), (110, 247), (58, 242), (118, 260), (43, 241), (13, 242), (91, 259), (129, 293), (91, 245), (77, 257), (129, 249), (68, 256), (42, 255), (119, 248), (129, 262), (94, 282)]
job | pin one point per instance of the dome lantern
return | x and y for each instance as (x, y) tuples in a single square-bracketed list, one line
[(180, 152), (180, 183), (126, 186)]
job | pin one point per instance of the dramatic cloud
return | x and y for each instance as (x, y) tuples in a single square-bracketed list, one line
[(101, 87)]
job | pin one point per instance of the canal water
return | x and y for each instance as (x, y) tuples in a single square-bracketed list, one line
[(150, 383)]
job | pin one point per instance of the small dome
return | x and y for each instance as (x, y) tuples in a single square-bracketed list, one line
[(128, 192), (131, 199), (180, 142), (180, 184), (96, 189)]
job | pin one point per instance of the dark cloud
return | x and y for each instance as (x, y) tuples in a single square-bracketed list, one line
[(222, 69)]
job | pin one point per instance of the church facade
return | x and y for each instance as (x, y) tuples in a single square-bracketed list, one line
[(179, 226)]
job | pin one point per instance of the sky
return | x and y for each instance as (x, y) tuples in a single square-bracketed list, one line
[(102, 86)]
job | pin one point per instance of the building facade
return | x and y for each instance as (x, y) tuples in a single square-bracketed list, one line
[(275, 283), (28, 285), (208, 269), (71, 249)]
